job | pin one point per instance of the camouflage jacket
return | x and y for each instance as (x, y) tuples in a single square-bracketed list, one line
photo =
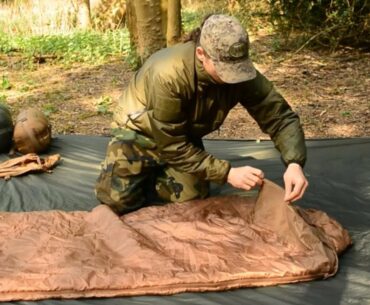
[(173, 101)]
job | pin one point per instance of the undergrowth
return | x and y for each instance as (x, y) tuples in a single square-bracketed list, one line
[(87, 46)]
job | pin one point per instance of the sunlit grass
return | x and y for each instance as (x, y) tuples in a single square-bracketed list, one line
[(36, 30), (78, 46), (36, 17)]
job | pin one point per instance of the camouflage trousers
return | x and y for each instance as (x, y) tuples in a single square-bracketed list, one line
[(132, 176)]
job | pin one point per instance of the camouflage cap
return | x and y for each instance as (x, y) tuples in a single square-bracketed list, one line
[(226, 43)]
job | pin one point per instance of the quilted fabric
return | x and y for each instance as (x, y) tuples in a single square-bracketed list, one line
[(202, 245)]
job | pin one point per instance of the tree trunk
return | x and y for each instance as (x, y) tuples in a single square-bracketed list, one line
[(83, 14), (131, 23), (173, 22), (144, 20)]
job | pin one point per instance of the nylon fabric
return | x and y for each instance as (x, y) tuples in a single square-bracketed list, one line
[(32, 132), (26, 164), (201, 245), (338, 172), (178, 103)]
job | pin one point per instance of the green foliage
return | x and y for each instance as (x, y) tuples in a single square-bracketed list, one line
[(5, 83), (323, 22), (87, 46), (5, 43), (346, 113), (190, 19), (327, 22), (103, 105), (253, 14), (49, 108), (132, 59), (2, 99), (28, 85)]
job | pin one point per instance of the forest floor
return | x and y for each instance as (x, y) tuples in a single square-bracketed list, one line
[(330, 91)]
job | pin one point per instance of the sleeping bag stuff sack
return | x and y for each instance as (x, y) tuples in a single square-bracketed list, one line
[(32, 132)]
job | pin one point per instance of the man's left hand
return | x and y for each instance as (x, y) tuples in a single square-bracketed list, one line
[(295, 182)]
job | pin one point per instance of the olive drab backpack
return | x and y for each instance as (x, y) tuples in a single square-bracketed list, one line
[(32, 132), (6, 129)]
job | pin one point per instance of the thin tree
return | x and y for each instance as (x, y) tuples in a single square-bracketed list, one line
[(83, 14), (173, 22), (153, 24)]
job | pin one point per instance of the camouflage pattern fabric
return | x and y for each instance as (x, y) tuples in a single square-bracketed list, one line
[(133, 175), (227, 43)]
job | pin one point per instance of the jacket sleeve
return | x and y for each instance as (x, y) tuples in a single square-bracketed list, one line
[(169, 125), (276, 118)]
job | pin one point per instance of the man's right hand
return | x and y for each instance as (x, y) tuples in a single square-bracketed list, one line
[(245, 177)]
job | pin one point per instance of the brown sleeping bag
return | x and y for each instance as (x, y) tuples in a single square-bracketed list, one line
[(202, 245)]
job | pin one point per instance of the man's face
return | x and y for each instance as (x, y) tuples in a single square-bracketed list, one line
[(208, 64)]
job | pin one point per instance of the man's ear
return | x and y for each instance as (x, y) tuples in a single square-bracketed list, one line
[(199, 52)]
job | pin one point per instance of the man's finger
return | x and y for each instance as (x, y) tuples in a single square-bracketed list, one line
[(253, 180), (260, 174), (250, 177), (298, 191), (288, 190), (257, 172), (303, 190)]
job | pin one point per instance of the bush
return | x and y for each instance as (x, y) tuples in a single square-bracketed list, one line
[(253, 14), (328, 22)]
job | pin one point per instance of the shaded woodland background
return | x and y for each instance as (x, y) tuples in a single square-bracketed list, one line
[(73, 58)]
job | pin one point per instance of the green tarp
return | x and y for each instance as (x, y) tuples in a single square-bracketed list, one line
[(339, 175)]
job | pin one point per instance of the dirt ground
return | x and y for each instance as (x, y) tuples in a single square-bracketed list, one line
[(330, 92)]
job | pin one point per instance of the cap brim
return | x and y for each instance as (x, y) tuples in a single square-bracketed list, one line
[(232, 73)]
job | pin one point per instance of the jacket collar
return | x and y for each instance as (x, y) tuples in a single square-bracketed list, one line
[(204, 79)]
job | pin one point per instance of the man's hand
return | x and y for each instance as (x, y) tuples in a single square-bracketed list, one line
[(245, 177), (295, 182)]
